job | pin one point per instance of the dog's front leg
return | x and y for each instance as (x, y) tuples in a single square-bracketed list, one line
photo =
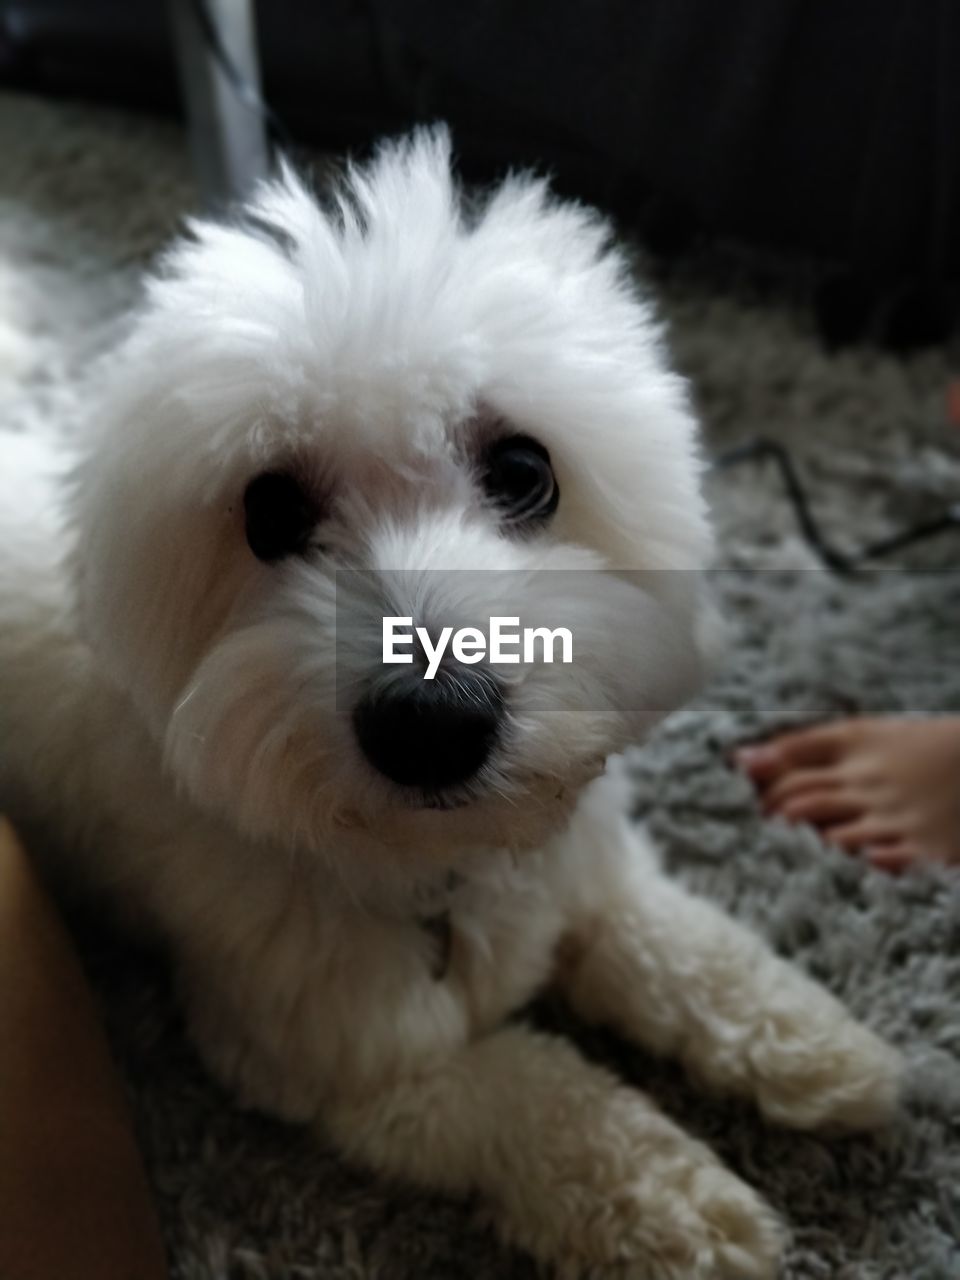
[(580, 1170), (674, 973)]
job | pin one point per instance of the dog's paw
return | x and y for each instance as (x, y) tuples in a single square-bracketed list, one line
[(814, 1066), (683, 1216)]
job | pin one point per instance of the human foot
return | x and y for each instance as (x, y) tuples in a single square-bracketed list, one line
[(888, 787)]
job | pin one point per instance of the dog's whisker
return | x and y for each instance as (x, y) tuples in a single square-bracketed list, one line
[(190, 694)]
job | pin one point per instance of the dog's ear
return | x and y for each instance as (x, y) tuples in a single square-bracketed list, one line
[(523, 213)]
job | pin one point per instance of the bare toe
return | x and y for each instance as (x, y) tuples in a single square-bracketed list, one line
[(885, 783), (798, 781), (894, 857), (820, 808), (819, 745), (864, 830)]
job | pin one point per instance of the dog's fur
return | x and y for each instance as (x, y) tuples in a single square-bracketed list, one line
[(172, 719)]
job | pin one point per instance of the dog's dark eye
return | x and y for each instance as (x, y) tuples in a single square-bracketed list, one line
[(518, 477), (279, 515)]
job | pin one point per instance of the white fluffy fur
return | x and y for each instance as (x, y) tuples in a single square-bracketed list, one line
[(171, 723)]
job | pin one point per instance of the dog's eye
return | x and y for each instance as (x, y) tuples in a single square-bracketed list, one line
[(279, 516), (518, 477)]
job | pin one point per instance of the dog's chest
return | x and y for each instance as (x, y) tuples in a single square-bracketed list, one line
[(496, 943)]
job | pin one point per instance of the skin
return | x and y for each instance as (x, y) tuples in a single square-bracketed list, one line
[(886, 788), (74, 1198)]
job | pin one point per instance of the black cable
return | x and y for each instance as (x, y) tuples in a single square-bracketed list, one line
[(839, 562)]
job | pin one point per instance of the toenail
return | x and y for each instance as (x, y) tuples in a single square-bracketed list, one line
[(752, 757)]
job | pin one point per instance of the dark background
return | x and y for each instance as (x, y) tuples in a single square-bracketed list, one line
[(821, 129)]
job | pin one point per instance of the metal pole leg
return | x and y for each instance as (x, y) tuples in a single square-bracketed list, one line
[(228, 137)]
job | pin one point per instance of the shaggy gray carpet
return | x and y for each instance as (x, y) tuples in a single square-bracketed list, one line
[(85, 198)]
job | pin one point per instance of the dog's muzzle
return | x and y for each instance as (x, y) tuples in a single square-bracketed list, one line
[(431, 734)]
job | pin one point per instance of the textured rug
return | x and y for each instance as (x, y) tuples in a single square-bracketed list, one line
[(85, 198)]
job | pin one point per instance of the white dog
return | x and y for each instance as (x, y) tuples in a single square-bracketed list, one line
[(397, 404)]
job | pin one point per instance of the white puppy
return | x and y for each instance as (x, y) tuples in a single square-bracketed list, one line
[(398, 405)]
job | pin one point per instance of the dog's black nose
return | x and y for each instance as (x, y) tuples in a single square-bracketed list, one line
[(430, 734)]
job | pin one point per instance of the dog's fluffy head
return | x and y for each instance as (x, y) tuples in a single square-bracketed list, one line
[(372, 351)]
